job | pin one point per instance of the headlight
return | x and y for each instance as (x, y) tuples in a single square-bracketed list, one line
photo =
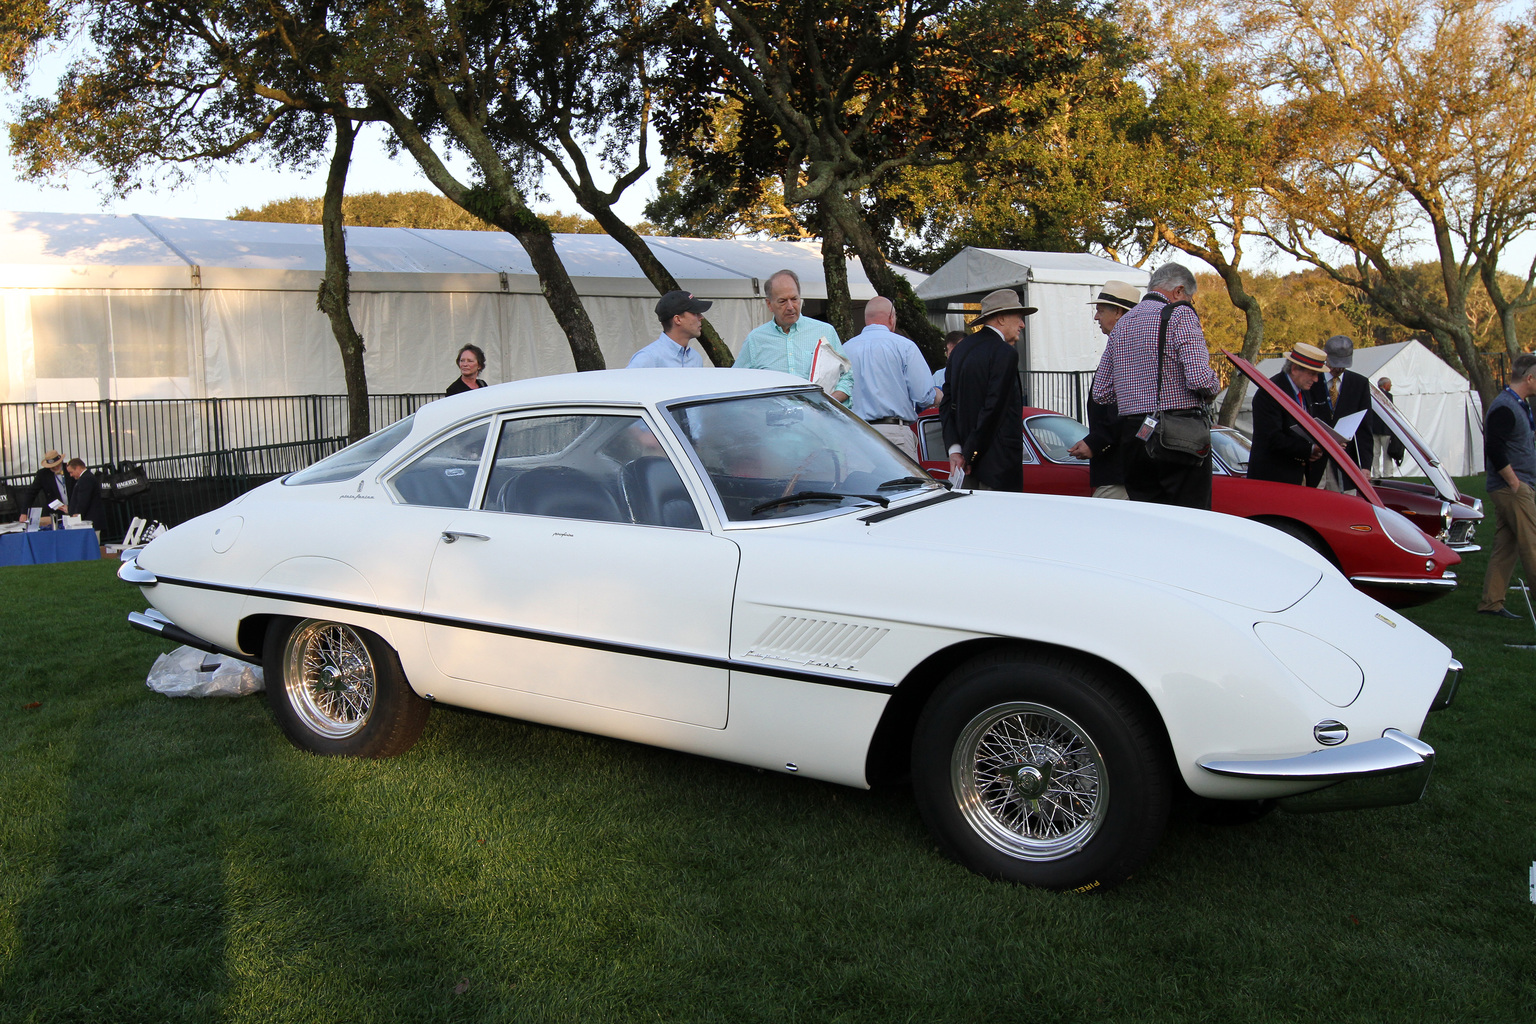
[(1403, 533)]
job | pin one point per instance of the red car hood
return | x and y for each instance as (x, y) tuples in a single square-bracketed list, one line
[(1321, 437)]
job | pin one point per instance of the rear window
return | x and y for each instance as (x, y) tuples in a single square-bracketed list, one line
[(353, 459)]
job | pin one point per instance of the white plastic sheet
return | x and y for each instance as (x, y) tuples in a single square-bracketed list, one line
[(186, 672)]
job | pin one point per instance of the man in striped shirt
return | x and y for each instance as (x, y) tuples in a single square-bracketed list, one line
[(1128, 375)]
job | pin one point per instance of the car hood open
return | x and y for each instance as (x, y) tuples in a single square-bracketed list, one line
[(1218, 556)]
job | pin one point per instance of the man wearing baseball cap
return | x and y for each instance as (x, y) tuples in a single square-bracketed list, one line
[(48, 486), (681, 322), (1279, 452)]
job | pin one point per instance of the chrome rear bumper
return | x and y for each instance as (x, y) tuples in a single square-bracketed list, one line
[(1394, 769), (1444, 583)]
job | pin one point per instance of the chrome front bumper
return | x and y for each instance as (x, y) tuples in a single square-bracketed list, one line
[(1394, 769)]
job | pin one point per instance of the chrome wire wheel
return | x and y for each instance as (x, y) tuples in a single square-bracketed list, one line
[(330, 678), (1029, 780)]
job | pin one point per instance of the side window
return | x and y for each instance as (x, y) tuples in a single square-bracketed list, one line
[(443, 476), (607, 469), (934, 448)]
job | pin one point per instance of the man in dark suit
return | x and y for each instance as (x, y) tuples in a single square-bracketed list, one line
[(85, 493), (1282, 452), (1342, 392), (983, 403)]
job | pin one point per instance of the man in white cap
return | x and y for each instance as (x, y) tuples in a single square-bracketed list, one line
[(1279, 452), (50, 489), (1099, 447), (681, 322), (983, 404), (1342, 392)]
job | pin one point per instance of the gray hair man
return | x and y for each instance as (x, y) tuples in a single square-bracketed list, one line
[(1156, 364), (894, 381), (1509, 452), (789, 340)]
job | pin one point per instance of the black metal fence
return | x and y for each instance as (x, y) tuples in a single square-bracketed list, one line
[(1063, 391), (198, 452)]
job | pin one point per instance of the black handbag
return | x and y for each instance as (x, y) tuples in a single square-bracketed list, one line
[(9, 506), (126, 480), (1181, 436)]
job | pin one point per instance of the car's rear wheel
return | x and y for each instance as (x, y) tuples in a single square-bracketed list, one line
[(338, 689), (1036, 770)]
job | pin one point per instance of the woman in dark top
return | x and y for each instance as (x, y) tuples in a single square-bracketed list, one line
[(471, 362)]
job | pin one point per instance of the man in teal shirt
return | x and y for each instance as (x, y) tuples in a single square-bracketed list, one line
[(787, 343)]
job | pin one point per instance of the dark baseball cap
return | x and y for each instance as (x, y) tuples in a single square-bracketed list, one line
[(673, 303)]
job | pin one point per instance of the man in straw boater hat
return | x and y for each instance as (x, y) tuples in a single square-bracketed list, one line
[(1279, 452), (1101, 445), (48, 486), (1156, 367), (983, 406)]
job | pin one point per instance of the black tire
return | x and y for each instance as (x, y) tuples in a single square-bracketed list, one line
[(1303, 533), (337, 689), (1075, 791)]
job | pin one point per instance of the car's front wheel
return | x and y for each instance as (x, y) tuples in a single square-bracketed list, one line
[(1036, 770), (338, 689)]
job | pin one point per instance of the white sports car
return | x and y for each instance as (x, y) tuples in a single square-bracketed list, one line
[(729, 563)]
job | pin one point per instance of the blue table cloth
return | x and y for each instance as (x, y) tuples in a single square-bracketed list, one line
[(48, 546)]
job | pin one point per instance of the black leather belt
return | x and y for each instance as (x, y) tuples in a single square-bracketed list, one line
[(891, 419)]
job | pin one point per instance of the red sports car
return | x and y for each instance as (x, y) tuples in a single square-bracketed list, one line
[(1389, 539)]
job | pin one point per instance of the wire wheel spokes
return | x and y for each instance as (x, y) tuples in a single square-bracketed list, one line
[(330, 678), (1029, 780)]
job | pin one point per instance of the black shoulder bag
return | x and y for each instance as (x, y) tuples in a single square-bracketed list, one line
[(1182, 436)]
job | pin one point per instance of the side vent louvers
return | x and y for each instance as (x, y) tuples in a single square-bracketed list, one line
[(820, 642)]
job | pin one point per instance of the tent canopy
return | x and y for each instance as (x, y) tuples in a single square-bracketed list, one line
[(1061, 285), (105, 306)]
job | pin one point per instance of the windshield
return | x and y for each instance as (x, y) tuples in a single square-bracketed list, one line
[(1418, 449), (783, 455), (1231, 447), (1056, 435)]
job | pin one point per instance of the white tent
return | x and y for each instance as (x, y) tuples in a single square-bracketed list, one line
[(1438, 401), (1061, 285), (96, 307)]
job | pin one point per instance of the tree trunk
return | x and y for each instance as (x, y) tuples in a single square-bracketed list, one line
[(1473, 362), (834, 268), (334, 299), (559, 290), (659, 276), (1253, 338), (911, 314)]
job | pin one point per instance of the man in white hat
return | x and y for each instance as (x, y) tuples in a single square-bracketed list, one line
[(983, 406), (49, 488), (1158, 367), (1279, 452), (1099, 447)]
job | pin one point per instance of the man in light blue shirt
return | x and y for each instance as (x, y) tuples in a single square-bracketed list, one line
[(787, 343), (681, 322), (894, 382)]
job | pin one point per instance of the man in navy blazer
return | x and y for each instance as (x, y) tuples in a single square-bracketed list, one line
[(85, 493)]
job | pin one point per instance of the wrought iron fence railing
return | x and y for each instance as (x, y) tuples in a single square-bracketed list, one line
[(198, 453), (1063, 391)]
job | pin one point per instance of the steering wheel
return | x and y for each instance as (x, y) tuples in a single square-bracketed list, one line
[(805, 464)]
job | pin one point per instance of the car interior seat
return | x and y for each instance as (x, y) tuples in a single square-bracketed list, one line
[(562, 492), (656, 495)]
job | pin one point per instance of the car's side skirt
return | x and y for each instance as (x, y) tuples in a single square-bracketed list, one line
[(592, 643)]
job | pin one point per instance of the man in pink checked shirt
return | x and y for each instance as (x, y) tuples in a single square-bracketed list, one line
[(1131, 376)]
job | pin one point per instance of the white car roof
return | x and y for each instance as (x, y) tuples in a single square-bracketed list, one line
[(640, 387)]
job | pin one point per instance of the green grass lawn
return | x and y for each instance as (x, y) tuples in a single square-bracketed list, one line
[(171, 860)]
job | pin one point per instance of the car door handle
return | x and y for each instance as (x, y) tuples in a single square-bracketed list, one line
[(449, 536)]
